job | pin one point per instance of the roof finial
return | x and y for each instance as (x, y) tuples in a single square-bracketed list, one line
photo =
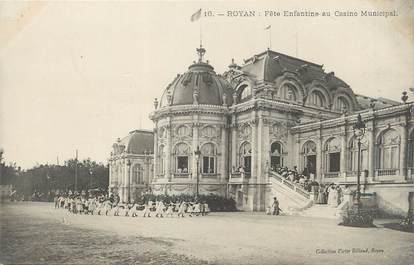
[(201, 51)]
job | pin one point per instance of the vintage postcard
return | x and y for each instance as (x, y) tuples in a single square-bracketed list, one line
[(200, 132)]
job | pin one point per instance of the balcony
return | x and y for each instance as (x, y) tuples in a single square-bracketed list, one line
[(331, 175), (237, 177), (181, 175)]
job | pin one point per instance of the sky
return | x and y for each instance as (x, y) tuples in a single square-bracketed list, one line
[(78, 75)]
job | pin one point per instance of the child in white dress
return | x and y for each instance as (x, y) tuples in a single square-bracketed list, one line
[(190, 209), (181, 209)]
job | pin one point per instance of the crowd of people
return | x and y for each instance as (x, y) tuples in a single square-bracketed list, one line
[(330, 194), (303, 180), (111, 205)]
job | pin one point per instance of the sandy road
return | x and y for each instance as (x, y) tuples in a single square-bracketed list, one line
[(220, 238)]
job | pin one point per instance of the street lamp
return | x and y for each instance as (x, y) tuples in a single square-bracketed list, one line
[(197, 154), (359, 131), (129, 180)]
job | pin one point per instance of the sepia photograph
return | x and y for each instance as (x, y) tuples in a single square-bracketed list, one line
[(207, 132)]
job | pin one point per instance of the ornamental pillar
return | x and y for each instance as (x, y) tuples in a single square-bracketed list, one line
[(319, 159), (261, 156), (253, 174), (403, 152), (234, 147), (195, 145), (156, 158), (224, 155), (344, 152), (265, 150), (168, 155), (371, 152)]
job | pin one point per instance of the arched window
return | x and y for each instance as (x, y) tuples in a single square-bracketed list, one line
[(341, 104), (245, 93), (277, 155), (333, 155), (353, 155), (309, 155), (208, 153), (161, 160), (246, 157), (183, 131), (137, 174), (316, 98), (182, 153), (389, 150), (287, 92)]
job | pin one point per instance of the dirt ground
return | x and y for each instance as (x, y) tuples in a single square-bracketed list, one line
[(36, 233)]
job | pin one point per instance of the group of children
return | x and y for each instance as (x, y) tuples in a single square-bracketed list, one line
[(104, 206)]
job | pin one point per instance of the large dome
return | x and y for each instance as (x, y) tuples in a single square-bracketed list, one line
[(199, 85)]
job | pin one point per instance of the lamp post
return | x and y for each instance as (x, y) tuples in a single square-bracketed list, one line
[(197, 154), (129, 180), (359, 131)]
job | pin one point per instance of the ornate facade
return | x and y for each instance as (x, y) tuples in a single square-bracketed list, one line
[(131, 165), (274, 110)]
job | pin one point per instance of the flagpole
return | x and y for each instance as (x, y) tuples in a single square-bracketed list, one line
[(201, 36), (270, 38)]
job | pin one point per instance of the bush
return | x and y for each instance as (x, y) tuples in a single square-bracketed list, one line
[(363, 218), (215, 203)]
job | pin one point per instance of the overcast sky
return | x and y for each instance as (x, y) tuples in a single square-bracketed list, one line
[(78, 75)]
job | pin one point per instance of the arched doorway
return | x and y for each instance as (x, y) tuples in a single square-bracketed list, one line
[(276, 155), (309, 157)]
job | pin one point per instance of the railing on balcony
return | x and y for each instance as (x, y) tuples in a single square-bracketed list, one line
[(209, 175), (181, 175), (331, 174), (386, 172), (289, 184), (239, 176)]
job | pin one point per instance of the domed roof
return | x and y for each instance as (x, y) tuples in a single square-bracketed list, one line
[(136, 142), (199, 85)]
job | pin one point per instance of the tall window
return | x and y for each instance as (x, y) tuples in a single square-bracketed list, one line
[(161, 160), (353, 155), (316, 98), (209, 158), (137, 174), (182, 152), (276, 155), (389, 150), (333, 155), (246, 157), (341, 104), (287, 92)]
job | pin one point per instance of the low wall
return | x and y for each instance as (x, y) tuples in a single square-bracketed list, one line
[(392, 199)]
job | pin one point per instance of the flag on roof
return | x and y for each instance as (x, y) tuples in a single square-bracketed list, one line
[(196, 16)]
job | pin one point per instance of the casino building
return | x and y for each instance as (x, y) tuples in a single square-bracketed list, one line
[(223, 133)]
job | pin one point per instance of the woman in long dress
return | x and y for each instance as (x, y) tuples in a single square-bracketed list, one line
[(333, 197), (275, 206), (321, 195)]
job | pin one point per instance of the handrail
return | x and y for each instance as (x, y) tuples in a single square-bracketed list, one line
[(290, 184)]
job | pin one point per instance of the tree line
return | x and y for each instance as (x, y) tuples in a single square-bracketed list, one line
[(48, 178)]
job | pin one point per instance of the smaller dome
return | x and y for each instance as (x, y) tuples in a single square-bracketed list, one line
[(136, 142)]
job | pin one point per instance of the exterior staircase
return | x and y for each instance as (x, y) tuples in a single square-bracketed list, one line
[(294, 200), (291, 197)]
